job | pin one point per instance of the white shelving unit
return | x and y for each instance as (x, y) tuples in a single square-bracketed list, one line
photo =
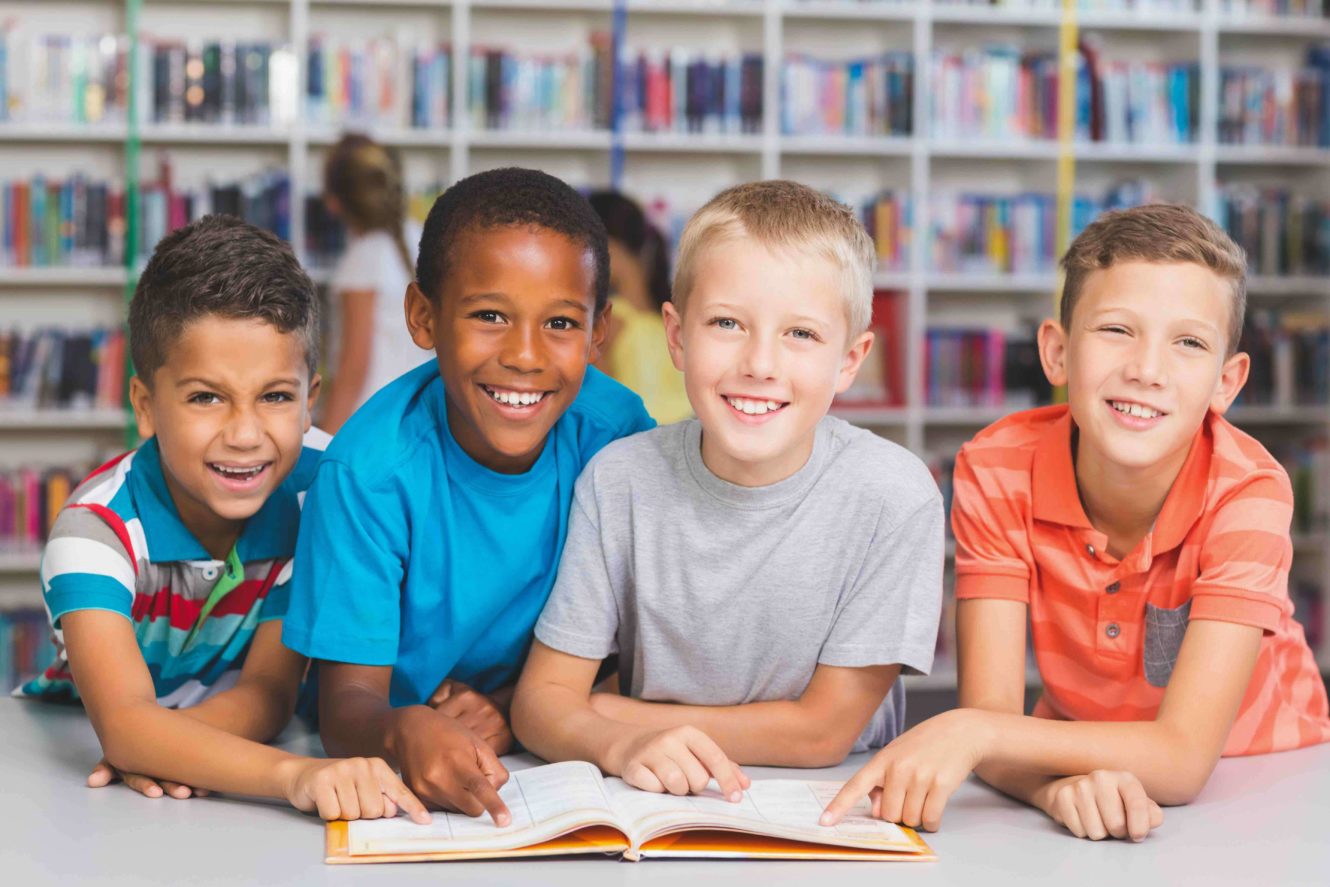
[(689, 168)]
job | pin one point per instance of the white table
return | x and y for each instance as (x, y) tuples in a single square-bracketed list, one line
[(1263, 820)]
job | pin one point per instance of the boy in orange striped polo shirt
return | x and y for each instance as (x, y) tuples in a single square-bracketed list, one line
[(1145, 540)]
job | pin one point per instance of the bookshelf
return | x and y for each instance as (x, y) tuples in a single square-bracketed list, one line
[(687, 168)]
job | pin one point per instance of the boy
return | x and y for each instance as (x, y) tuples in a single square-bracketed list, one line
[(438, 513), (763, 572), (1145, 539), (165, 575)]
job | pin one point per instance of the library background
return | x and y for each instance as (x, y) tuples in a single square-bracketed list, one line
[(123, 119)]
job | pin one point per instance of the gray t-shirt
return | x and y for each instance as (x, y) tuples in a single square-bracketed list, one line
[(717, 594)]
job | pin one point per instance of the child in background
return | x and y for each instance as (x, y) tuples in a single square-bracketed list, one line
[(436, 518), (362, 184), (1143, 538), (635, 351), (764, 572), (166, 573)]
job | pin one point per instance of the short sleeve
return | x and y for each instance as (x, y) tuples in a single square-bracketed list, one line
[(361, 266), (85, 567), (581, 617), (1246, 554), (890, 614), (278, 600), (611, 411), (988, 564), (346, 582)]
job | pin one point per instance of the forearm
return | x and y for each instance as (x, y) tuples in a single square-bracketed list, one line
[(559, 724), (357, 721), (246, 710), (1023, 785)]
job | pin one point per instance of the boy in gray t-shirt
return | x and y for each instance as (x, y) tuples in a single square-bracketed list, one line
[(763, 572)]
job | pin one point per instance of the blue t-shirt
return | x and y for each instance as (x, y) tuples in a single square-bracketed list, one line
[(412, 554)]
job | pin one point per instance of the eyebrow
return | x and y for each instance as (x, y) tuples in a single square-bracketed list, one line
[(208, 383), (481, 297)]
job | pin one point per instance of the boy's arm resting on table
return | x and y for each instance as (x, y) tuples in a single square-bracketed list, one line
[(553, 717), (140, 736), (818, 729)]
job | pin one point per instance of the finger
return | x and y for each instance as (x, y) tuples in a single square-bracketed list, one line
[(1136, 811), (854, 790), (481, 790), (398, 795), (639, 776), (103, 774), (325, 802), (670, 776), (491, 766), (1156, 815), (369, 791), (931, 816), (177, 790), (346, 797), (389, 808), (875, 802), (695, 773), (719, 765), (912, 807), (442, 693), (894, 787), (1087, 804), (142, 784), (1071, 816)]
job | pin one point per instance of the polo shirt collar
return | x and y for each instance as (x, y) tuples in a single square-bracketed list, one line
[(270, 533)]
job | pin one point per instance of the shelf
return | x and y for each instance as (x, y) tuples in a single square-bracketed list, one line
[(555, 140), (52, 420), (20, 562), (717, 143), (73, 277), (966, 417), (1288, 286), (852, 11), (871, 417), (397, 137), (1278, 415), (1049, 149), (1144, 20), (990, 283), (840, 145), (727, 8), (1265, 155), (63, 132), (891, 280), (1312, 27), (212, 134)]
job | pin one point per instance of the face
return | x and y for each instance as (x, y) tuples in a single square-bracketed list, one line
[(764, 347), (514, 329), (1144, 360), (228, 409)]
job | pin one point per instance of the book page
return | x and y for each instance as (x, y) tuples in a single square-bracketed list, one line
[(545, 802), (784, 808)]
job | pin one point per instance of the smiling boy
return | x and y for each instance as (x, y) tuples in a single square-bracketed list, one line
[(1145, 540), (765, 571), (437, 516)]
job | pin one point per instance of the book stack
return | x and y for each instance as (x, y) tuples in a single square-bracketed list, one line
[(1012, 234), (26, 646), (219, 82), (1289, 8), (377, 82), (1282, 232), (62, 369), (982, 368), (542, 91), (1003, 93), (71, 222), (263, 199), (30, 499), (1308, 465), (684, 91), (889, 222), (860, 97), (1082, 5), (1284, 106), (63, 79), (881, 378), (1290, 358)]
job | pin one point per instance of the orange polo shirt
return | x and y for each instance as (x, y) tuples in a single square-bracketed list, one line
[(1106, 632)]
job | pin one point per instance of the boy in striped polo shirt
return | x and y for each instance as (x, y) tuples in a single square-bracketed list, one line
[(1145, 540), (165, 576)]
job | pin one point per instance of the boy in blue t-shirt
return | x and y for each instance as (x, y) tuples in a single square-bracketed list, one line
[(435, 520)]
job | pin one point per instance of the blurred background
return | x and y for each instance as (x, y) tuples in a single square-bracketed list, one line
[(946, 125)]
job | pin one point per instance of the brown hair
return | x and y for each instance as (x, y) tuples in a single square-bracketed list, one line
[(785, 215), (1159, 232), (366, 179)]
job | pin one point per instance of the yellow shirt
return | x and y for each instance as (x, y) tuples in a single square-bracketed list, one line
[(640, 360)]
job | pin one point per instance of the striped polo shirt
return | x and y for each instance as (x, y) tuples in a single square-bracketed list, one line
[(1106, 632), (119, 545)]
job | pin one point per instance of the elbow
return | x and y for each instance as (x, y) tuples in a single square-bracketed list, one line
[(522, 720), (824, 749), (1181, 786)]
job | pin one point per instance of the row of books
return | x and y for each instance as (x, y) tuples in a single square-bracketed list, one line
[(860, 97), (377, 82), (1012, 234), (1290, 358), (1003, 93), (686, 91), (62, 369), (218, 82), (1308, 465), (71, 222), (1283, 232), (1288, 8), (1082, 5), (982, 368), (30, 499), (58, 78), (880, 381), (26, 646), (1282, 106), (568, 91), (262, 199), (889, 221)]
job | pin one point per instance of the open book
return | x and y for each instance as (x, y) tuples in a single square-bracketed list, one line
[(570, 808)]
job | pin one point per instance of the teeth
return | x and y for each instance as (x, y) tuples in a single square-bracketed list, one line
[(1134, 409), (237, 472), (753, 407), (516, 398)]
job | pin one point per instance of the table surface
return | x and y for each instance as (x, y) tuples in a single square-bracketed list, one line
[(1260, 819)]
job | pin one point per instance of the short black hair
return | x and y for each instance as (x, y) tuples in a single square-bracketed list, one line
[(511, 197), (225, 267)]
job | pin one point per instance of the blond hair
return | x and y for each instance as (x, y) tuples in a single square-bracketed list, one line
[(1159, 232), (784, 215)]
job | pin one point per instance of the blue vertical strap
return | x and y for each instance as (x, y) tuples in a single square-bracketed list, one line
[(618, 32)]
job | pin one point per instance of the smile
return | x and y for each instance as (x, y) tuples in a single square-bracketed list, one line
[(514, 399), (1136, 410), (753, 406), (238, 474)]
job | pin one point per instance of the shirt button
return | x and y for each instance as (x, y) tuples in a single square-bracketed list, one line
[(1113, 630), (210, 573), (1113, 589), (1089, 549)]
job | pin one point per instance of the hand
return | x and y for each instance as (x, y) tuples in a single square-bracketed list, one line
[(1100, 804), (678, 760), (448, 765), (104, 774), (486, 716), (911, 779), (349, 788)]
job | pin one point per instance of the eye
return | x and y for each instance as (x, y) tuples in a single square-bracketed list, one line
[(563, 323), (805, 335), (278, 397), (1114, 328), (724, 323), (1193, 342), (488, 316), (204, 398)]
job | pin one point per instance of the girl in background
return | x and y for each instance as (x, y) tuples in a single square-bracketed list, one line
[(635, 351), (362, 185)]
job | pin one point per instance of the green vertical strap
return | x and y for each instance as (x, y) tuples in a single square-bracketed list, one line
[(132, 145), (232, 576)]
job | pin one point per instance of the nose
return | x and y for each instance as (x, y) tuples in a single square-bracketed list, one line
[(1146, 365), (759, 358), (521, 351), (244, 429)]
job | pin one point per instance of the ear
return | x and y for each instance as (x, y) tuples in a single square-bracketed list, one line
[(854, 358), (140, 398), (673, 333), (1053, 351), (311, 399), (600, 328), (420, 317), (1232, 376)]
